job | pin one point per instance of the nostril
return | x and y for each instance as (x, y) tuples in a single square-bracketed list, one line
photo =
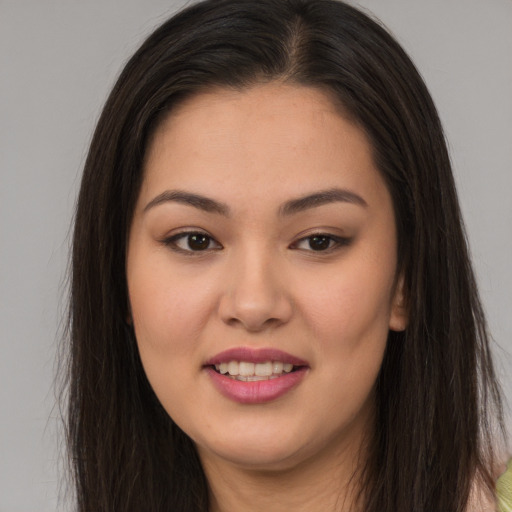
[(254, 300), (253, 322)]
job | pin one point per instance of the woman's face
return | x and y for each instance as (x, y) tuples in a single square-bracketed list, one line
[(263, 241)]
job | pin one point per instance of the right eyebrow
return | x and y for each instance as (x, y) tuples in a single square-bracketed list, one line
[(197, 201)]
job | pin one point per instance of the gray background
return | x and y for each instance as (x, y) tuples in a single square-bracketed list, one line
[(58, 60)]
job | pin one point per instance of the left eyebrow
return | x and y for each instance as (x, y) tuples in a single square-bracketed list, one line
[(321, 198)]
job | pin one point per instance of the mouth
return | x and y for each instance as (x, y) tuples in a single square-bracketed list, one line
[(251, 376)]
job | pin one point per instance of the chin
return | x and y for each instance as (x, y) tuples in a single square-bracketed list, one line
[(264, 450), (269, 449)]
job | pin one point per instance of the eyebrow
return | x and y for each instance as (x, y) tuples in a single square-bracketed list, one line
[(197, 201), (321, 198), (291, 207)]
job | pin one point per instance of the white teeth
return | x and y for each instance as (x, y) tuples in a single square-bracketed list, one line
[(233, 367), (247, 371), (277, 367), (263, 369), (254, 378)]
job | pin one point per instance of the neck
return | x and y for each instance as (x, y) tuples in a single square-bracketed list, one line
[(327, 484)]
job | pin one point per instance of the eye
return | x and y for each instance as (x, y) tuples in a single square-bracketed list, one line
[(320, 242), (192, 241)]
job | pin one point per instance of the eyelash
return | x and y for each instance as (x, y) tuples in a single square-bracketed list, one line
[(334, 242)]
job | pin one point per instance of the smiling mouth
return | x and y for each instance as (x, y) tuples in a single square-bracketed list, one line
[(246, 371), (250, 376)]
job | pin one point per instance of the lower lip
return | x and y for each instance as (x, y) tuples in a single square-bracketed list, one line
[(257, 392)]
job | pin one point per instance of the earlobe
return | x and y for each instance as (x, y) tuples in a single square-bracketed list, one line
[(399, 317)]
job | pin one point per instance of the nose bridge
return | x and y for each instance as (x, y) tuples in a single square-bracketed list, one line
[(255, 294)]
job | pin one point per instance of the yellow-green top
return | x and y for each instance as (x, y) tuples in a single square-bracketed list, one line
[(504, 490)]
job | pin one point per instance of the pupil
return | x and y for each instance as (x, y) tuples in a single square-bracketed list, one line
[(319, 243), (198, 242)]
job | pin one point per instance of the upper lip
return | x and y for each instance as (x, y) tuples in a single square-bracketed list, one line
[(254, 355)]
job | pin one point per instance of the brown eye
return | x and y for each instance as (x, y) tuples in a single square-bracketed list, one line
[(320, 242), (198, 242), (192, 241)]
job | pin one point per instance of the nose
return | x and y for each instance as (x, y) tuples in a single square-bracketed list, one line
[(255, 293)]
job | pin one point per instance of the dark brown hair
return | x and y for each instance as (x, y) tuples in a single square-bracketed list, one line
[(437, 397)]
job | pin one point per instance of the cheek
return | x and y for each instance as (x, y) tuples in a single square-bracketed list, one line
[(349, 317), (349, 307), (168, 312), (168, 318)]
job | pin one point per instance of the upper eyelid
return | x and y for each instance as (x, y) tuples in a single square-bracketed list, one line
[(190, 231), (187, 231)]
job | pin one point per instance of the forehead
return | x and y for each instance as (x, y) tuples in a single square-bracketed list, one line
[(267, 136), (246, 111)]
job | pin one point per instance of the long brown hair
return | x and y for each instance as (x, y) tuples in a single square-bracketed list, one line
[(437, 396)]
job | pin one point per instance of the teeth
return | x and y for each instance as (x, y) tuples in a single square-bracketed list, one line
[(245, 369), (233, 367), (254, 378), (249, 372), (277, 367), (263, 369)]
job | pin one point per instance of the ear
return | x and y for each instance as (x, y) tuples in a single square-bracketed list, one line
[(399, 317)]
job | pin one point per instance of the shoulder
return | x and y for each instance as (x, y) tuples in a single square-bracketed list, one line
[(504, 489), (482, 501)]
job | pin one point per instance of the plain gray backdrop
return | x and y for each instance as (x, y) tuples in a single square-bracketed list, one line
[(58, 60)]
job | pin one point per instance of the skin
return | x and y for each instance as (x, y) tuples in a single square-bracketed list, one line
[(258, 283)]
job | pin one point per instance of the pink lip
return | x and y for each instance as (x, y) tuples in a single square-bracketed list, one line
[(257, 392), (253, 355)]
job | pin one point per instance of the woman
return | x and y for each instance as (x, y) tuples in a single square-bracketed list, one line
[(272, 302)]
